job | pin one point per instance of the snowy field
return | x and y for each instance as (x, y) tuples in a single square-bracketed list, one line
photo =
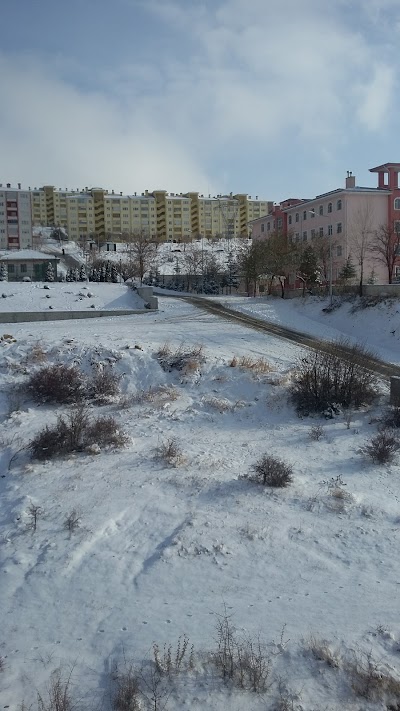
[(66, 296), (162, 549)]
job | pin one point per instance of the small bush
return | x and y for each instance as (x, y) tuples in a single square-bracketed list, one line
[(322, 652), (104, 385), (382, 447), (72, 521), (58, 695), (316, 433), (170, 451), (183, 359), (75, 433), (57, 383), (172, 660), (271, 471), (126, 695), (337, 376), (241, 660), (392, 417), (370, 680)]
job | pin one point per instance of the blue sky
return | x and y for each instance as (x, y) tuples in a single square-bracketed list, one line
[(275, 98)]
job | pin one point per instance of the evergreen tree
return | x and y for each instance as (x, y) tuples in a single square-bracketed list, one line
[(308, 270), (49, 272), (348, 271), (107, 275), (3, 272), (82, 273)]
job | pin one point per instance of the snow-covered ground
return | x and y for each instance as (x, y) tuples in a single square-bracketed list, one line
[(162, 550), (378, 327), (67, 296)]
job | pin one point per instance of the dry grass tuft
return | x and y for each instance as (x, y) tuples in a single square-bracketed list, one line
[(158, 395), (255, 365), (322, 652), (170, 452)]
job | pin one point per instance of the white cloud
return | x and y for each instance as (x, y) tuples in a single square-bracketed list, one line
[(253, 74), (51, 132)]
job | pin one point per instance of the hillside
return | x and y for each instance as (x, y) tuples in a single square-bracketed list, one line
[(163, 547)]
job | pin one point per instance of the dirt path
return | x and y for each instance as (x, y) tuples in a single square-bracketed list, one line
[(370, 362)]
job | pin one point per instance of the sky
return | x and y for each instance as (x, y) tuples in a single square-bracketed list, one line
[(274, 98)]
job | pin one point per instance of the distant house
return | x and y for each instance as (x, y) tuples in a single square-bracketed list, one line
[(28, 264)]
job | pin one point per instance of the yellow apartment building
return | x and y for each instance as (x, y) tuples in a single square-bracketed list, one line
[(97, 213)]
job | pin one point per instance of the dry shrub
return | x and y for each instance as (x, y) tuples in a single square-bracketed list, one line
[(240, 660), (171, 661), (126, 696), (170, 451), (392, 417), (74, 433), (271, 471), (325, 379), (316, 433), (370, 680), (184, 358), (57, 384), (104, 385), (381, 448), (58, 695), (37, 353)]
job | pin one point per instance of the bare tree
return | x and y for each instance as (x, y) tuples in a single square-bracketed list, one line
[(386, 247), (361, 235), (142, 253), (193, 261)]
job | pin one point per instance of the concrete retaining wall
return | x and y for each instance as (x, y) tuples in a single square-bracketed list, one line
[(22, 317), (146, 293)]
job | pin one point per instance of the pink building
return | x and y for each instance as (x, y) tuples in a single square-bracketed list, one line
[(348, 217)]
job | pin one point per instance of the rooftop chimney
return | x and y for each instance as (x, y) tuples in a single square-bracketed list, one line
[(350, 180)]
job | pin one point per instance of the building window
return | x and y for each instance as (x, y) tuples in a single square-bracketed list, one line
[(312, 234), (305, 236), (290, 220), (23, 269), (11, 269), (268, 226), (312, 213), (305, 215), (339, 251), (397, 226), (329, 207), (297, 237), (321, 231), (321, 209), (297, 216), (330, 230), (279, 223), (339, 205), (262, 227), (339, 228), (397, 204)]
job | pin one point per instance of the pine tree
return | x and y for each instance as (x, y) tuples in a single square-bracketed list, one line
[(49, 272), (82, 273), (3, 272), (348, 271), (308, 270), (107, 275)]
